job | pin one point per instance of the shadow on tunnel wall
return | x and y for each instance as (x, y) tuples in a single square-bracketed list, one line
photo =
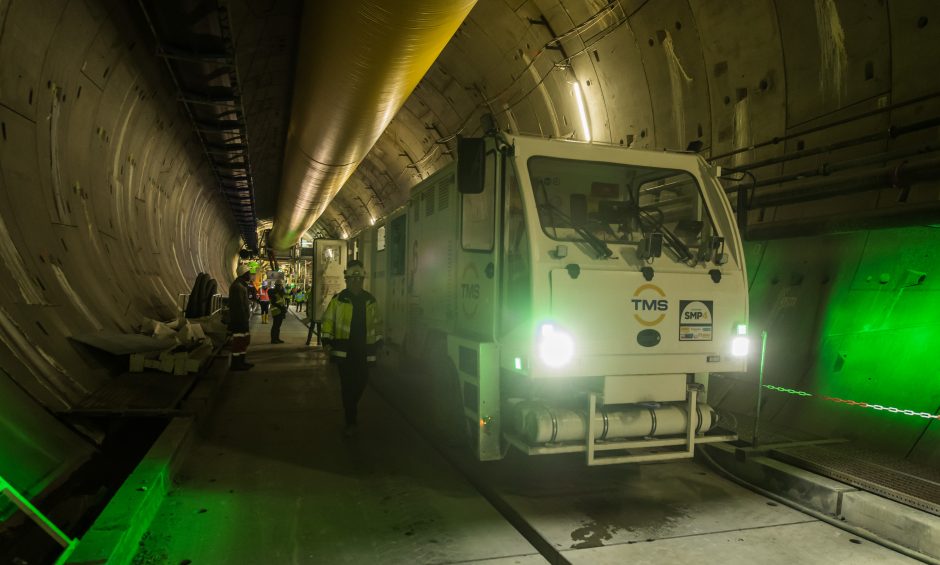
[(851, 319), (107, 212)]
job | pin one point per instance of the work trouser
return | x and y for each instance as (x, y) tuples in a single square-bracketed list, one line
[(276, 327), (353, 376), (240, 341)]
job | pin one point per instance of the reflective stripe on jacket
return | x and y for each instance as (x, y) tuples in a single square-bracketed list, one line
[(337, 322)]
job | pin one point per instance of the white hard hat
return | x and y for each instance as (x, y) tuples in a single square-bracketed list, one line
[(241, 270), (355, 271)]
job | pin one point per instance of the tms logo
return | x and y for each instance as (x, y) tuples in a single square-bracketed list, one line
[(649, 304), (471, 291)]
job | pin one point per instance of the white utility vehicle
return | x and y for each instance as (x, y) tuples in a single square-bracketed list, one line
[(583, 292)]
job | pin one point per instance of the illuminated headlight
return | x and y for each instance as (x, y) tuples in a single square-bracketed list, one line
[(556, 348), (739, 346)]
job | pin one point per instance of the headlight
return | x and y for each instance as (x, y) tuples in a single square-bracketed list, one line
[(556, 348), (739, 346)]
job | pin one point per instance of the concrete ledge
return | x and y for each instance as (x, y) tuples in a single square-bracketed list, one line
[(803, 487), (886, 519), (115, 536), (894, 521)]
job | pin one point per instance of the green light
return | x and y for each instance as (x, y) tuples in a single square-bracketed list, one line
[(518, 363), (39, 519), (741, 329)]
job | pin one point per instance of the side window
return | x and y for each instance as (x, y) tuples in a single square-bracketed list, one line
[(396, 245), (478, 212), (380, 238), (517, 271)]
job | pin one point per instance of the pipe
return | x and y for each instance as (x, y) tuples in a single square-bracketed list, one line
[(542, 423), (898, 176), (917, 214), (357, 63), (892, 132), (827, 169), (850, 119)]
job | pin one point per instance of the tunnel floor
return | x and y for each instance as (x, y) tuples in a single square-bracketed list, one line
[(271, 479)]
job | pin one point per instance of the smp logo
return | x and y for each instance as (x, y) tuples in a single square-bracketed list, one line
[(649, 305)]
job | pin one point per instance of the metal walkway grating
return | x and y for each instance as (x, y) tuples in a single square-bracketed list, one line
[(915, 485)]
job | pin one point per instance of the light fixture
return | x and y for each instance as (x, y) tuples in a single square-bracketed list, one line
[(740, 343), (556, 348), (582, 111)]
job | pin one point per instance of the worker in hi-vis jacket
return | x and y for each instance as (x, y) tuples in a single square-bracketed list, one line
[(350, 333)]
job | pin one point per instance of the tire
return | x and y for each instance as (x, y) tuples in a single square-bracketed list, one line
[(211, 288), (195, 296)]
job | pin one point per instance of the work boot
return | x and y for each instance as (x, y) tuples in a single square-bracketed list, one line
[(239, 363)]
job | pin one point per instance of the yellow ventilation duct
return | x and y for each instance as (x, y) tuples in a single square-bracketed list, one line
[(358, 62)]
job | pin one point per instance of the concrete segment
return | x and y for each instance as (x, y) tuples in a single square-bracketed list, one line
[(892, 520)]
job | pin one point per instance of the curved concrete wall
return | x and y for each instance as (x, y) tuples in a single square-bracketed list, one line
[(107, 213), (108, 209)]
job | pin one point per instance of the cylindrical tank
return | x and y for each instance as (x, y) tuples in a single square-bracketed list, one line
[(542, 423)]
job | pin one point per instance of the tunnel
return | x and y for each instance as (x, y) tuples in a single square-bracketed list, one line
[(145, 143)]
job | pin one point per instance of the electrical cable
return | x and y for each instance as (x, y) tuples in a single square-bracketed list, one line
[(855, 530)]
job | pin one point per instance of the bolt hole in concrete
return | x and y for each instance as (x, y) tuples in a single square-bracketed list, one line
[(186, 562), (772, 504), (856, 541), (201, 511), (922, 22)]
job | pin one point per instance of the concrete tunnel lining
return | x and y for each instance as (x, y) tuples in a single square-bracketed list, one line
[(109, 210)]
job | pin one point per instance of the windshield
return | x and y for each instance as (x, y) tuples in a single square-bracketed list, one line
[(615, 203)]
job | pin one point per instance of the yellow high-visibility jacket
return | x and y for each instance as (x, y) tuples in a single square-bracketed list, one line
[(337, 319)]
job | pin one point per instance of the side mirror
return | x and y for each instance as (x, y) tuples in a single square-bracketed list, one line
[(650, 246), (578, 206), (471, 159)]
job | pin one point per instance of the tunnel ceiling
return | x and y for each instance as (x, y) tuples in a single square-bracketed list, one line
[(786, 77)]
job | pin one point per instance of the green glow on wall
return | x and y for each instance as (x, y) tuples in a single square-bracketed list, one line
[(853, 317)]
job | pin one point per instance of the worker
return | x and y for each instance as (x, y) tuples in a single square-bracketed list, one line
[(238, 315), (278, 298), (351, 335), (265, 301)]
